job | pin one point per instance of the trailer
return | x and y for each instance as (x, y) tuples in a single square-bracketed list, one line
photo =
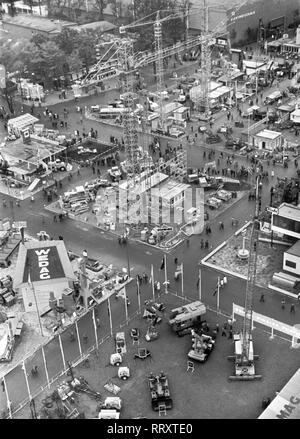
[(186, 317)]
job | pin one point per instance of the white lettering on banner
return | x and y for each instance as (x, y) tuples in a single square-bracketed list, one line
[(43, 262), (288, 409), (238, 17), (268, 321)]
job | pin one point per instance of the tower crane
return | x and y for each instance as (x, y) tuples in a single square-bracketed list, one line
[(244, 357)]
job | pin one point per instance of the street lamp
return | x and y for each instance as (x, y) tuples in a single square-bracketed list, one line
[(220, 284)]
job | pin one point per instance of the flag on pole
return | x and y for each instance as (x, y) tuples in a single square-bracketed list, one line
[(162, 266), (29, 280)]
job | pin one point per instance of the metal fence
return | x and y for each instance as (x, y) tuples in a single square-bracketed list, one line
[(21, 377)]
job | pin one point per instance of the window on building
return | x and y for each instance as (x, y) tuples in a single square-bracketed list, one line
[(286, 223), (290, 264)]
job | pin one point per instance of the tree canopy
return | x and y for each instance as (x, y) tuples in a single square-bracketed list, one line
[(172, 30)]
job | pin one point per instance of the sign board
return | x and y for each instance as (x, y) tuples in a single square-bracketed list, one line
[(43, 264), (26, 135), (165, 229), (221, 41), (268, 321), (272, 210), (19, 224)]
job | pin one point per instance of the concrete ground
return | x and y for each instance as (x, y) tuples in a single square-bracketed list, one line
[(205, 394)]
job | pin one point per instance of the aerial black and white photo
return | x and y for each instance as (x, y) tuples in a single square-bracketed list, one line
[(149, 212)]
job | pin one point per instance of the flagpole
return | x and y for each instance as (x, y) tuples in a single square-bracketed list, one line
[(182, 293), (166, 276), (95, 327), (152, 281), (62, 351), (125, 300), (36, 304), (218, 294), (138, 294), (200, 286), (78, 338), (26, 379), (7, 397), (110, 319), (45, 364)]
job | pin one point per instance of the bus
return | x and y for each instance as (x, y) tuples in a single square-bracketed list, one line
[(110, 112)]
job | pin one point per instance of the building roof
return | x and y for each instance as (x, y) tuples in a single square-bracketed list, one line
[(268, 134), (16, 151), (282, 406), (295, 249), (101, 26), (37, 23), (296, 112), (22, 121), (248, 64), (215, 94), (289, 211), (146, 183), (288, 107), (231, 76), (171, 188), (30, 268)]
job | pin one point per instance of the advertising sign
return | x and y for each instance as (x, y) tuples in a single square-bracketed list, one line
[(43, 264)]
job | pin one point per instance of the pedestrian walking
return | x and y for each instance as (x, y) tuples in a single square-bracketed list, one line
[(175, 260), (97, 322), (283, 304), (217, 327), (54, 218), (224, 332), (221, 225), (262, 298), (292, 309), (3, 385), (230, 334), (201, 243), (206, 244)]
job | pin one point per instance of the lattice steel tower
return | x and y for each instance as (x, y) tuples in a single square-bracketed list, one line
[(205, 62), (126, 66), (159, 67)]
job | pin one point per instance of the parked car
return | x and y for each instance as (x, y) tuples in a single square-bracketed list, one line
[(115, 173), (94, 265), (213, 203), (58, 165), (224, 195)]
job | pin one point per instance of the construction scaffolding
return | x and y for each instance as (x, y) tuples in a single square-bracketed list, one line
[(176, 167)]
